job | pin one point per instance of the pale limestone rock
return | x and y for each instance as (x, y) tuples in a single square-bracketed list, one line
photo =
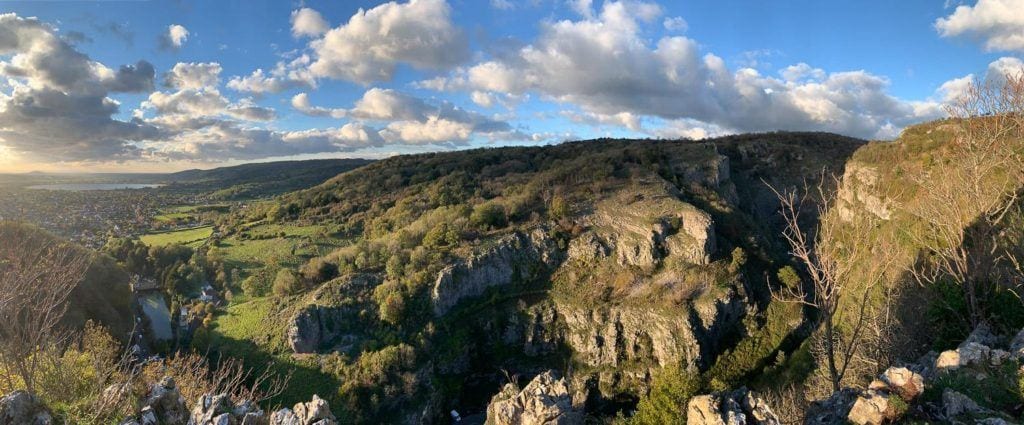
[(546, 400)]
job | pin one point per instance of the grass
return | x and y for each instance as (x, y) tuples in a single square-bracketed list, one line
[(193, 236)]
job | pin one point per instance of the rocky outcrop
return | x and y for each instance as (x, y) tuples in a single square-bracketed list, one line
[(164, 405), (897, 392), (646, 225), (513, 259), (314, 412), (859, 191), (740, 407), (322, 321), (546, 400), (22, 408)]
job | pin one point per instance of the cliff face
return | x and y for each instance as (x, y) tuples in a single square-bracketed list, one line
[(513, 259), (323, 323)]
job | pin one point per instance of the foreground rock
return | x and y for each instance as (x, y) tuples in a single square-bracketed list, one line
[(21, 407), (164, 405), (545, 400), (734, 408)]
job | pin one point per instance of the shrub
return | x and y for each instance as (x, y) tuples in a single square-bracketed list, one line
[(441, 235), (253, 286), (788, 276), (559, 208), (739, 259), (671, 390), (319, 270), (286, 283), (489, 215)]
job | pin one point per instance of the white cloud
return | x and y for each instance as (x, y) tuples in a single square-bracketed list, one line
[(502, 4), (308, 22), (175, 37), (998, 24), (675, 24), (373, 42), (411, 120), (193, 75), (284, 76), (672, 79), (54, 104), (301, 103)]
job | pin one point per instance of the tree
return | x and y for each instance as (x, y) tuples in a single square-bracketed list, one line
[(37, 276), (840, 262), (964, 202)]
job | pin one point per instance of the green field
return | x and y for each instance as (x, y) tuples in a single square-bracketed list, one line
[(194, 236)]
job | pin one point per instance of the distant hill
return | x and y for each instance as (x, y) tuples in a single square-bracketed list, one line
[(259, 179)]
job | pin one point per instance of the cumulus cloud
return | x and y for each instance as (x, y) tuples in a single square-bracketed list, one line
[(175, 37), (55, 105), (198, 101), (373, 42), (284, 76), (675, 24), (307, 22), (301, 103), (997, 24), (193, 75), (411, 120), (995, 74), (671, 79)]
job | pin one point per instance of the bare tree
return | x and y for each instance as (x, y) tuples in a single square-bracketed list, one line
[(195, 375), (843, 266), (964, 201), (37, 275)]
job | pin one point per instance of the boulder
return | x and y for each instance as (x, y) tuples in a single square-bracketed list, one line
[(314, 412), (1017, 346), (903, 382), (872, 408), (833, 410), (166, 404), (22, 408), (955, 404), (545, 400), (740, 407)]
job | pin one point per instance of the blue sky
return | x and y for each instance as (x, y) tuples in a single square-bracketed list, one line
[(365, 78)]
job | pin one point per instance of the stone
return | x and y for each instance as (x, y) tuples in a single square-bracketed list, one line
[(949, 359), (739, 407), (316, 411), (955, 404), (1017, 345), (903, 382), (167, 403), (872, 408), (22, 408), (546, 400), (973, 353)]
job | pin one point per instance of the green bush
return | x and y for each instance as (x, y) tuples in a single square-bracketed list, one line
[(286, 283), (489, 215), (671, 390)]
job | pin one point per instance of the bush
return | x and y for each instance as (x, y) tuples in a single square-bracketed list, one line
[(489, 215), (671, 390), (286, 283), (253, 286), (441, 235), (319, 270), (739, 259), (559, 208)]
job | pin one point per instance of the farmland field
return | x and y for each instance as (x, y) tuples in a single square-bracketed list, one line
[(193, 236)]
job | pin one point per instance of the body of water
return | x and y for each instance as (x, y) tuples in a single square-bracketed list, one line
[(79, 187)]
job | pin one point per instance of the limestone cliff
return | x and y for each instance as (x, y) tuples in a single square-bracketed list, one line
[(513, 259)]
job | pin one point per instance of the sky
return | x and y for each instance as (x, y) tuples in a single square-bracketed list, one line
[(152, 86)]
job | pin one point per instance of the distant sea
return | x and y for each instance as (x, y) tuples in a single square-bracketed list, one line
[(80, 187)]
